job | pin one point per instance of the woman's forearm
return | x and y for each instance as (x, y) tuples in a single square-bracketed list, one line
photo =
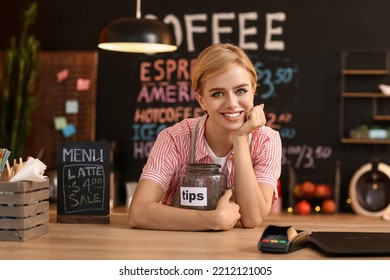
[(254, 201)]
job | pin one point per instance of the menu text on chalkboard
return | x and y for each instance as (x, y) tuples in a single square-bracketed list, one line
[(83, 182)]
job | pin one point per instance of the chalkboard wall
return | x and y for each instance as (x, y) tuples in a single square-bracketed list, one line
[(295, 45)]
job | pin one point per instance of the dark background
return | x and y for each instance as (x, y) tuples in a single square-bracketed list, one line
[(314, 31)]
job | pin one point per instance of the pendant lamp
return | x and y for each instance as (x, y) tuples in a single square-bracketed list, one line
[(137, 35)]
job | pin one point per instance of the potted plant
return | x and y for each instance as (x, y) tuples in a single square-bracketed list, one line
[(18, 72)]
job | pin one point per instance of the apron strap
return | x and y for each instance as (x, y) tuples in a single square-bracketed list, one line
[(194, 137)]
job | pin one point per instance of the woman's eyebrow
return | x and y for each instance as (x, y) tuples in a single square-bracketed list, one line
[(221, 88), (216, 89), (243, 85)]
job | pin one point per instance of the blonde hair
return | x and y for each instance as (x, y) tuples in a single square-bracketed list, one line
[(217, 59)]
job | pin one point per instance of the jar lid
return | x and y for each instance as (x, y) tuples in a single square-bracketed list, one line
[(203, 166)]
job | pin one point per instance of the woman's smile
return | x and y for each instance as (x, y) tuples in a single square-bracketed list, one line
[(233, 116)]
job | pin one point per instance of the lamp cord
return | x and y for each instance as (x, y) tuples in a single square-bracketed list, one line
[(138, 12)]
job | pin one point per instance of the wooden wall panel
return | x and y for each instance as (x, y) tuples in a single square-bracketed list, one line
[(52, 95)]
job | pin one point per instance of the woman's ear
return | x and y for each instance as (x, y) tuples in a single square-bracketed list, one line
[(255, 89), (199, 98)]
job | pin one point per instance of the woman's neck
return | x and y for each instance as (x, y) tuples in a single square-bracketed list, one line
[(220, 141)]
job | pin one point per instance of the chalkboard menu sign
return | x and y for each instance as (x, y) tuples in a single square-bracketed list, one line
[(83, 182)]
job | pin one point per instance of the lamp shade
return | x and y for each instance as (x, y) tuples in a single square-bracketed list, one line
[(137, 35)]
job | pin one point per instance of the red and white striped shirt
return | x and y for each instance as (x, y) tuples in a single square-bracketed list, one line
[(170, 156)]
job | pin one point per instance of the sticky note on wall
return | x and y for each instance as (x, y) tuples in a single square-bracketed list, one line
[(71, 107), (60, 122), (69, 130), (62, 75), (83, 84)]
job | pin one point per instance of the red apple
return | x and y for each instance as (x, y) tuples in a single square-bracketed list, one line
[(322, 191), (308, 188), (303, 207), (329, 206)]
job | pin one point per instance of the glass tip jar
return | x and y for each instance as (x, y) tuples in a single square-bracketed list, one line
[(200, 187)]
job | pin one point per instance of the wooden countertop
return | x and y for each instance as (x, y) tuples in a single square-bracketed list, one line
[(116, 241)]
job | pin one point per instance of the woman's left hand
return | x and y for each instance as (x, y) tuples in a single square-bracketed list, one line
[(255, 118)]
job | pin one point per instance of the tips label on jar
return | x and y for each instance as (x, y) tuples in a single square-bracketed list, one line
[(193, 196)]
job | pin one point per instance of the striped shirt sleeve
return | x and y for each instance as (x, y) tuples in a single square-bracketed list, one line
[(169, 155), (267, 156)]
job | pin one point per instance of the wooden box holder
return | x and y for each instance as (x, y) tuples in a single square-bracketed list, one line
[(24, 210)]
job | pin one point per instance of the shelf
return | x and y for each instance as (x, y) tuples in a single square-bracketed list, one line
[(365, 94), (365, 141), (382, 118), (365, 72), (361, 74)]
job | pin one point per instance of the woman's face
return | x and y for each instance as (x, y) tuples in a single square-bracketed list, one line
[(226, 98)]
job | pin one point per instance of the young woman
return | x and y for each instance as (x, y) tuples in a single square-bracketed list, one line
[(231, 132)]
